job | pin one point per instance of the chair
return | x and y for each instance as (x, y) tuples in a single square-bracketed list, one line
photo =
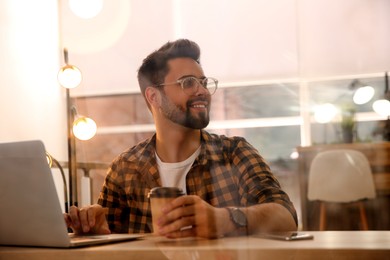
[(341, 176)]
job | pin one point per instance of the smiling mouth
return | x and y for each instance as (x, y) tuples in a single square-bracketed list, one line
[(198, 106), (199, 103)]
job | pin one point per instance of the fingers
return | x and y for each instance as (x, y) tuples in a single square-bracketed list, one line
[(190, 216), (91, 215), (179, 228), (178, 217), (87, 219), (180, 202), (177, 213), (73, 219), (84, 219), (180, 207), (97, 220), (189, 232), (67, 219)]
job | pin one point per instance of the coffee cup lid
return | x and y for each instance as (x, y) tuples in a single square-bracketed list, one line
[(163, 192)]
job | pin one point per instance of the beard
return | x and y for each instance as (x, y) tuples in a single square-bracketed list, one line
[(183, 116)]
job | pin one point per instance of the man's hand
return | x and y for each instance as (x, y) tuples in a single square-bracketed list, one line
[(190, 216), (89, 219)]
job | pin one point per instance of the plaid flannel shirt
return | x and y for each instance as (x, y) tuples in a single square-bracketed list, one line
[(228, 172)]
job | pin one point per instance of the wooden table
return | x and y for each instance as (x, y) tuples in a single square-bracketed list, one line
[(326, 245), (378, 210)]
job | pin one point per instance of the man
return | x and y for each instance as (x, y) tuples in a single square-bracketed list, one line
[(229, 187)]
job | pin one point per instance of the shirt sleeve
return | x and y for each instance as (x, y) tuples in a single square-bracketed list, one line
[(113, 197), (257, 184)]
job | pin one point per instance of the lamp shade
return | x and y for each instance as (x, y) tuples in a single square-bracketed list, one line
[(382, 107), (363, 95), (84, 128), (69, 76)]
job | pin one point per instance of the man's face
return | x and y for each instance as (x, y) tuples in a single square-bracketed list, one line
[(192, 111)]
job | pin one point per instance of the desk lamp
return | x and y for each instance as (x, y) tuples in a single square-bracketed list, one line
[(363, 92), (84, 128), (382, 106), (78, 126)]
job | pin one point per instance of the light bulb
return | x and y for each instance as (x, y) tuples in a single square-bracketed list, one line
[(324, 113), (84, 128), (382, 107), (86, 8), (363, 95), (294, 155), (69, 76)]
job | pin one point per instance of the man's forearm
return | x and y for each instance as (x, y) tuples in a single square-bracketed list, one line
[(269, 217)]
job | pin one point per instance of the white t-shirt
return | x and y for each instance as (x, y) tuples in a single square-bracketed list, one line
[(174, 174)]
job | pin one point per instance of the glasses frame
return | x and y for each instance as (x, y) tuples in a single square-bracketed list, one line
[(199, 81)]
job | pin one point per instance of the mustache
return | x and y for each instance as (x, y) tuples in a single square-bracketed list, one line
[(198, 99)]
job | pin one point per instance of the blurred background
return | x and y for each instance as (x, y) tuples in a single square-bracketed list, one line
[(288, 71)]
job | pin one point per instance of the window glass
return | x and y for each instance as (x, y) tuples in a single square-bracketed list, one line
[(115, 110), (277, 100), (340, 94)]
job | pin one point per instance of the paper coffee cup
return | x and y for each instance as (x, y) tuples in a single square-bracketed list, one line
[(160, 196)]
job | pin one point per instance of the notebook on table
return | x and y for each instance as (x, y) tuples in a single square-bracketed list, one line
[(30, 210)]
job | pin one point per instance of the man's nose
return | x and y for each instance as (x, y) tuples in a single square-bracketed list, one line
[(201, 90)]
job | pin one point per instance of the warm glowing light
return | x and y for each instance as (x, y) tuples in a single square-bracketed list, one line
[(382, 107), (88, 36), (69, 76), (49, 159), (84, 128), (294, 155), (363, 95), (325, 113), (86, 9)]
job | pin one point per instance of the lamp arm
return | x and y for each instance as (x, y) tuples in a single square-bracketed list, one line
[(64, 180), (66, 57), (74, 112)]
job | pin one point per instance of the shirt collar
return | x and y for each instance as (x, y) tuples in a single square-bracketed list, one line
[(210, 151)]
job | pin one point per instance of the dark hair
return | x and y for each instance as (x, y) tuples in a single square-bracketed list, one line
[(154, 67)]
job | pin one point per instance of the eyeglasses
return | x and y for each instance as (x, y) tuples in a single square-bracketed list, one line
[(190, 85)]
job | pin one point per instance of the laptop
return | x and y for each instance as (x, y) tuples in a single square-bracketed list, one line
[(30, 210)]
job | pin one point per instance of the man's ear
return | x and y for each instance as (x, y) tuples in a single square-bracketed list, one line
[(152, 95)]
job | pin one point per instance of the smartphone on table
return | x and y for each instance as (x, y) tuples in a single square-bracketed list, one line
[(286, 236)]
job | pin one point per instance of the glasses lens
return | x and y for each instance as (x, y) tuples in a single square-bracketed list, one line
[(210, 84), (190, 85)]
